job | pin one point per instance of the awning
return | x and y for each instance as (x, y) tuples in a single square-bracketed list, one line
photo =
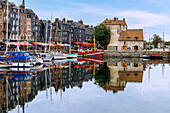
[(84, 44), (23, 43)]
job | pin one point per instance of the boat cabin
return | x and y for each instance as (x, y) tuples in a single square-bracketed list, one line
[(18, 56)]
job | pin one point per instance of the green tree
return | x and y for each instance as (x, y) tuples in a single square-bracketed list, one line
[(156, 39), (102, 35), (167, 43)]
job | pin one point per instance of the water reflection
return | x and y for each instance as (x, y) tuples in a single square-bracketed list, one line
[(117, 74), (19, 88)]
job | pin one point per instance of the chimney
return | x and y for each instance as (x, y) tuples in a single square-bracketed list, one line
[(106, 18), (49, 21), (56, 20), (123, 19), (69, 21), (91, 26), (80, 22), (64, 19), (115, 18)]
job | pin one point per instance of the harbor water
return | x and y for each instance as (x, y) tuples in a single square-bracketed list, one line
[(122, 86)]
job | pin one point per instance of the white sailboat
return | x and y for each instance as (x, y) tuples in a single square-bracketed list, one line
[(47, 56), (59, 56)]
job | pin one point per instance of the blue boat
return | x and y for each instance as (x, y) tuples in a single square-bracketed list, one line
[(19, 59)]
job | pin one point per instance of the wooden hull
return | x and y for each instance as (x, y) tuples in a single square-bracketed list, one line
[(94, 53)]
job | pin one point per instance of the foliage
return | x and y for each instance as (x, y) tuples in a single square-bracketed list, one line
[(167, 43), (76, 48), (103, 76), (102, 35), (156, 39)]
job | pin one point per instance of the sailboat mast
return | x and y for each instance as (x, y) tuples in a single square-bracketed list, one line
[(7, 15), (46, 35), (56, 35), (27, 36), (51, 34), (18, 29), (61, 37), (163, 41)]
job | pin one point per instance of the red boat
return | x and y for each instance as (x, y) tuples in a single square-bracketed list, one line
[(94, 53)]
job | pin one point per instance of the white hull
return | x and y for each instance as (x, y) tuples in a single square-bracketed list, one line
[(21, 64), (58, 57), (5, 66), (47, 59)]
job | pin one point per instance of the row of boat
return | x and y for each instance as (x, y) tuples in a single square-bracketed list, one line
[(25, 59)]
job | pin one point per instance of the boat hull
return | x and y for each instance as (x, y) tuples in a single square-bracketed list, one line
[(47, 59), (21, 65), (59, 57), (72, 55), (91, 54)]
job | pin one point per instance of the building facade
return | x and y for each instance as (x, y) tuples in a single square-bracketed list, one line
[(123, 38)]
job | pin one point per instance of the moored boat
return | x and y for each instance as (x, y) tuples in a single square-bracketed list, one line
[(18, 59)]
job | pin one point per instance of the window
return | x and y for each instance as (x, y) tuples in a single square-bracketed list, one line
[(136, 38), (109, 27), (128, 38)]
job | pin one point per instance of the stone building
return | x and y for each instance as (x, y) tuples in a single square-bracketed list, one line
[(123, 38)]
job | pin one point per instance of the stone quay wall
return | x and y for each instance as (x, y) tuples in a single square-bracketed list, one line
[(133, 54)]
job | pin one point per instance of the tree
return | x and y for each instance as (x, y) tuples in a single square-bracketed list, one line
[(167, 43), (102, 35), (156, 39)]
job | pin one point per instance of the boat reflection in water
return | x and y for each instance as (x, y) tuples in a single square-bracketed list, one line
[(23, 87), (24, 84)]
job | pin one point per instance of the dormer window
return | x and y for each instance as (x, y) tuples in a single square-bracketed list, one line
[(109, 22), (136, 38), (105, 23), (128, 38)]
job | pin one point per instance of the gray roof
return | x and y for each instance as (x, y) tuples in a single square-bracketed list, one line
[(89, 31), (75, 24), (30, 11)]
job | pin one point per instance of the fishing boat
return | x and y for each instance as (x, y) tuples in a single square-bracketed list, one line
[(18, 59), (91, 54)]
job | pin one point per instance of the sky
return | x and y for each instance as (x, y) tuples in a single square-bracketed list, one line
[(153, 16)]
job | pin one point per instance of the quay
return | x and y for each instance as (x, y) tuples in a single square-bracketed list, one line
[(135, 54)]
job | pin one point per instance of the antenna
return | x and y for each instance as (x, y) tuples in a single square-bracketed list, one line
[(163, 40)]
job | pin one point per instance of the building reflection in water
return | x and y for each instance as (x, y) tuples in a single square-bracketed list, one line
[(118, 74), (24, 86)]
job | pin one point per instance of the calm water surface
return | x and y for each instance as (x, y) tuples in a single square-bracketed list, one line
[(119, 87)]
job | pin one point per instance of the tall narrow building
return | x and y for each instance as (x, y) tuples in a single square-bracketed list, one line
[(23, 21)]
